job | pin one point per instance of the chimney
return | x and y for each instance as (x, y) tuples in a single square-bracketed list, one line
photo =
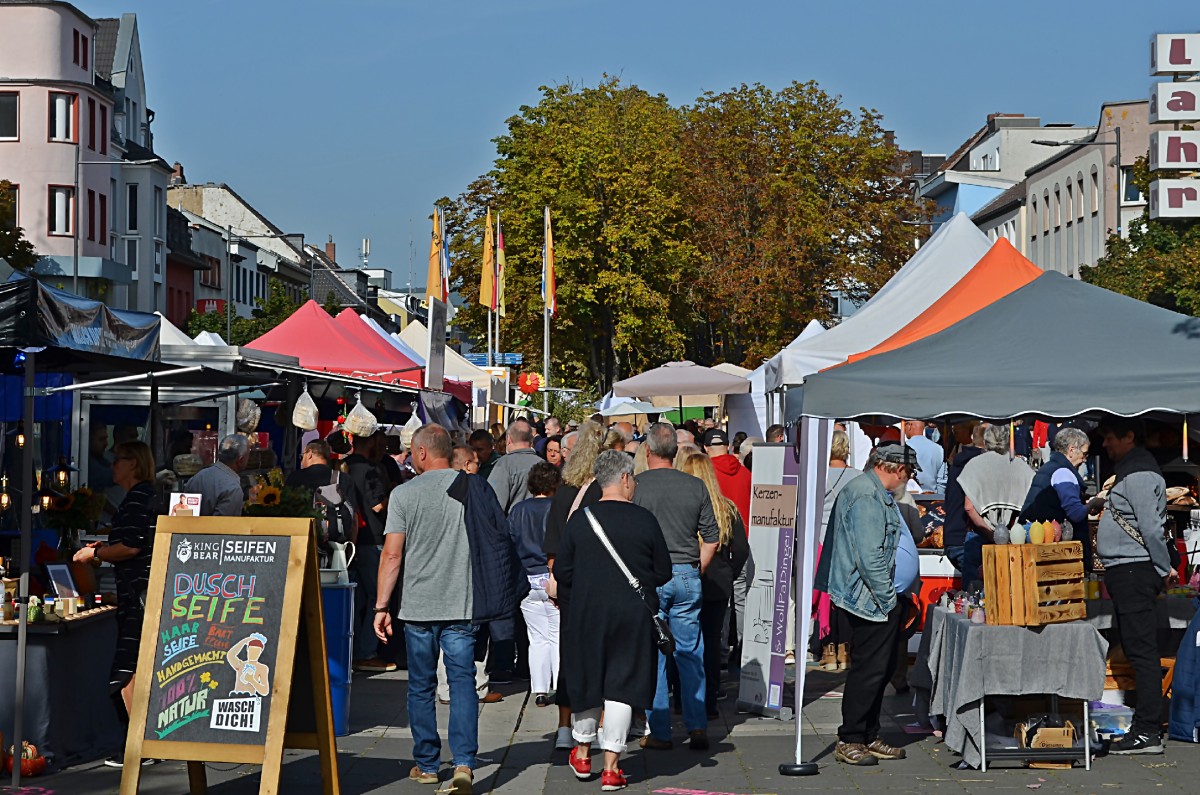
[(331, 250), (177, 177)]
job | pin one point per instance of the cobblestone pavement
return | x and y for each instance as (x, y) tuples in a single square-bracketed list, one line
[(516, 756)]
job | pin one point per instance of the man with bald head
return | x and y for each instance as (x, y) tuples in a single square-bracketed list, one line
[(509, 478)]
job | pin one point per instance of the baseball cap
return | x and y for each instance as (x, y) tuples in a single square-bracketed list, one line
[(714, 437), (894, 453), (572, 423)]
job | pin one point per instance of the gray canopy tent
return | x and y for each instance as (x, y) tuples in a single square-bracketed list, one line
[(1056, 347), (677, 379)]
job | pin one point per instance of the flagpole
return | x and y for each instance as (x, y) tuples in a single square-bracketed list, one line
[(547, 254)]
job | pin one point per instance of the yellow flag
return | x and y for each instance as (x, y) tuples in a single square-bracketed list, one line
[(433, 279), (487, 282), (499, 267)]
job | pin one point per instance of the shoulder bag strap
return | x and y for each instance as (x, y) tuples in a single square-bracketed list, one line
[(633, 581), (1124, 524), (579, 499)]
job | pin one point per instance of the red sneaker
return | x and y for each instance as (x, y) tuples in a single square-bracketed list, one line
[(580, 766), (612, 780)]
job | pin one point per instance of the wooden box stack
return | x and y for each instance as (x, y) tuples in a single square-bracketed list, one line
[(1033, 584)]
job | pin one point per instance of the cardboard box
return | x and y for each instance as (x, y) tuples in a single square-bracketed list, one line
[(1049, 738)]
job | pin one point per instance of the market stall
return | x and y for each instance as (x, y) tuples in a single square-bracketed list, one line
[(1023, 355)]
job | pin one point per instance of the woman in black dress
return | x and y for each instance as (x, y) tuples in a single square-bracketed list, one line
[(610, 659), (129, 546)]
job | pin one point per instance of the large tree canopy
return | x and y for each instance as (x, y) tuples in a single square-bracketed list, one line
[(714, 231)]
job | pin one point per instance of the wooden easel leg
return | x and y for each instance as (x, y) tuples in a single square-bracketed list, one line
[(197, 780), (319, 665)]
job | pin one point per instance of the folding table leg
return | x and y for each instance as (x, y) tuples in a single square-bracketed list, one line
[(982, 735)]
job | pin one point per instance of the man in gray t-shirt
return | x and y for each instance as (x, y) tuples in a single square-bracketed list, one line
[(684, 511), (427, 530)]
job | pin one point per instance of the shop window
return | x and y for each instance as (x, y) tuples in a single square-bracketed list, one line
[(62, 116), (10, 105), (61, 210)]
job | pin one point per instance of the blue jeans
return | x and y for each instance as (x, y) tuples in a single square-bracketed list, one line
[(679, 601), (456, 641)]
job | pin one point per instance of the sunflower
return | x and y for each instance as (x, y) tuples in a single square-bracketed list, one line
[(62, 502), (269, 496)]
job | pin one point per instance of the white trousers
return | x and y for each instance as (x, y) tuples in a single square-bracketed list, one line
[(443, 687), (541, 619), (617, 717)]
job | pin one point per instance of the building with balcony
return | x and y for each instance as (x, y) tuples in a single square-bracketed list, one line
[(76, 142)]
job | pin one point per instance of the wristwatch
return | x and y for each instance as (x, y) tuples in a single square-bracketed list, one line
[(96, 560), (383, 609)]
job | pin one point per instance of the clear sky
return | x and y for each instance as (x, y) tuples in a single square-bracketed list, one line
[(350, 118)]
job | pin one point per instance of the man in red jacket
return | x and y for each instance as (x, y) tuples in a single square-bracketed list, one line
[(732, 477)]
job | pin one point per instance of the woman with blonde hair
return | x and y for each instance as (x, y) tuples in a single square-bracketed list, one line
[(578, 490), (614, 440), (716, 583), (684, 452)]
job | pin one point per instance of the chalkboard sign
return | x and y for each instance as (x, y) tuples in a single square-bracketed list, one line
[(218, 636), (233, 629)]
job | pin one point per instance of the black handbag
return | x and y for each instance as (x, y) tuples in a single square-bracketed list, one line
[(662, 632)]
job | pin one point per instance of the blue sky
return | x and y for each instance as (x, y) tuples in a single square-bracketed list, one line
[(351, 118)]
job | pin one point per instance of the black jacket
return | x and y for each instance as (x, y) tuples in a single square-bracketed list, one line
[(954, 531), (498, 582), (717, 583)]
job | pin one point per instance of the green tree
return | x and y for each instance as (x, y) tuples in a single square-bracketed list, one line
[(1159, 262), (791, 195), (607, 162), (331, 305), (267, 314), (14, 248)]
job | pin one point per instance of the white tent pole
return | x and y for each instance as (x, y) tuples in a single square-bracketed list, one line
[(26, 562)]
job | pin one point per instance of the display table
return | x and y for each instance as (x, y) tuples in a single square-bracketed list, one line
[(68, 712), (961, 664)]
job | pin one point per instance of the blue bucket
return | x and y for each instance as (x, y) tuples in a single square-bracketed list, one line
[(337, 601), (341, 709)]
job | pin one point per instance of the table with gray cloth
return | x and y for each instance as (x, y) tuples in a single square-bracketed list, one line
[(960, 663), (68, 712)]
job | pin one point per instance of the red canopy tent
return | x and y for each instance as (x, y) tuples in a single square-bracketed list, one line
[(355, 327), (313, 337)]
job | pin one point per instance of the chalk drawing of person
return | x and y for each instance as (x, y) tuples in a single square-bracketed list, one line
[(251, 676)]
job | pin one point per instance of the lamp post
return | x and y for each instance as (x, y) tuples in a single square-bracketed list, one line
[(1081, 142), (75, 199)]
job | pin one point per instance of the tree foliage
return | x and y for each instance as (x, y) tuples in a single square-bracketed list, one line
[(1159, 262), (14, 248), (267, 314), (714, 231), (792, 195)]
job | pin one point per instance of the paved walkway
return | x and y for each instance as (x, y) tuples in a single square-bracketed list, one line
[(516, 757)]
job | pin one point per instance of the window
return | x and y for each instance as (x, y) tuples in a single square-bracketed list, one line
[(62, 116), (158, 258), (1079, 195), (9, 214), (1057, 207), (212, 276), (1070, 202), (91, 215), (91, 114), (10, 128), (61, 210), (104, 129), (1095, 191), (131, 255), (1045, 212), (75, 49), (1130, 193), (83, 52), (103, 219), (131, 207), (160, 207), (1033, 225)]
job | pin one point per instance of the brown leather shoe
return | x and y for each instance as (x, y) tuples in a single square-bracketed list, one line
[(491, 698), (854, 754), (654, 744), (462, 782), (698, 740), (421, 777), (882, 750)]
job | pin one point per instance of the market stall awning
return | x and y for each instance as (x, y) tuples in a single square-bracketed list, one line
[(628, 407), (313, 337), (1001, 271), (1056, 347), (681, 379), (919, 284), (77, 333), (406, 370), (416, 336), (169, 333), (748, 413)]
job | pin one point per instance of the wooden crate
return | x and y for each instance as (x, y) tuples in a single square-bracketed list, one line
[(1033, 584)]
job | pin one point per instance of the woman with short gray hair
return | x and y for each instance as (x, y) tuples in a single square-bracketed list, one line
[(1056, 494), (610, 662)]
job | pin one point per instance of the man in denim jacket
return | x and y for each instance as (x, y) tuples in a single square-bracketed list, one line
[(857, 571)]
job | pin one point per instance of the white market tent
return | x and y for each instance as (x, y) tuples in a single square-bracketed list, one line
[(748, 413), (935, 268), (416, 337), (210, 338), (169, 333)]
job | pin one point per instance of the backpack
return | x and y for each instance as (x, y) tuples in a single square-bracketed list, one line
[(339, 520)]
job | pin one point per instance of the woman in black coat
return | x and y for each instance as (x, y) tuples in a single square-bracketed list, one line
[(610, 658)]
